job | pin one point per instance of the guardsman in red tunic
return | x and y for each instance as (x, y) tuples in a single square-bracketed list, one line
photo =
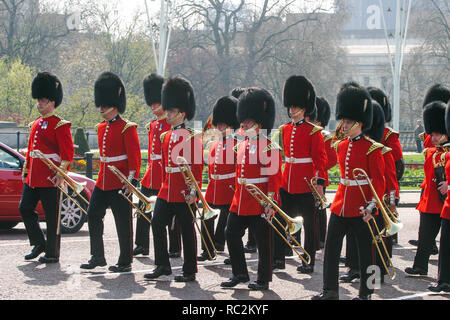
[(119, 146), (443, 277), (305, 157), (152, 180), (431, 201), (175, 197), (258, 163), (350, 212), (51, 135), (221, 170)]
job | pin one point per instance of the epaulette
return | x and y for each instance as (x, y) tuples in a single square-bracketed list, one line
[(424, 152), (147, 126), (375, 145), (326, 135), (335, 145), (161, 137), (61, 123), (389, 132), (96, 127), (422, 136), (128, 124), (31, 124), (272, 146), (385, 150), (236, 147), (315, 128)]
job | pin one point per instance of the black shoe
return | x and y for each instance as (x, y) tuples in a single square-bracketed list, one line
[(305, 269), (159, 271), (278, 264), (35, 252), (350, 276), (204, 256), (235, 280), (440, 287), (227, 261), (416, 271), (249, 249), (175, 254), (120, 268), (140, 250), (46, 259), (185, 277), (94, 262), (363, 297), (414, 242), (259, 285), (326, 295)]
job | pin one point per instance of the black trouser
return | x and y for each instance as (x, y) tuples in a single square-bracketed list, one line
[(162, 217), (122, 212), (322, 214), (428, 230), (338, 227), (444, 253), (251, 241), (262, 231), (304, 204), (143, 228), (218, 237), (50, 202)]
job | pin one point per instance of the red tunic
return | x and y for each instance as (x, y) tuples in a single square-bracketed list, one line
[(258, 163), (152, 178), (361, 152), (390, 173), (391, 140), (430, 201), (445, 213), (331, 154), (305, 156), (187, 143), (222, 172), (119, 146), (51, 135)]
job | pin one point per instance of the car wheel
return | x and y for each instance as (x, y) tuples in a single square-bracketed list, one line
[(6, 225), (72, 217)]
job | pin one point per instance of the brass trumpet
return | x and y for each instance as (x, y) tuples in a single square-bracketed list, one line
[(321, 201), (207, 212), (292, 224), (148, 203), (390, 228)]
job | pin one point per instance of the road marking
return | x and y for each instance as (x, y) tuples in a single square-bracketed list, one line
[(62, 241), (412, 296)]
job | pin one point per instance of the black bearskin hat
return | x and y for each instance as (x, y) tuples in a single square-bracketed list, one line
[(257, 104), (178, 93), (447, 118), (379, 96), (323, 111), (299, 91), (434, 117), (354, 103), (436, 92), (109, 91), (152, 88), (376, 131), (236, 92), (224, 111), (47, 85)]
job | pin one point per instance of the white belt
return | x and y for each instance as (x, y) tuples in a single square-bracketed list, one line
[(155, 157), (52, 156), (257, 180), (348, 182), (223, 176), (172, 169), (298, 160), (113, 159)]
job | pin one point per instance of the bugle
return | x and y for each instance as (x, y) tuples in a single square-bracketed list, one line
[(292, 224), (321, 201), (148, 203)]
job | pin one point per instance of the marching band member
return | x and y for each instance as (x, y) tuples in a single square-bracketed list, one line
[(350, 212), (151, 182), (221, 170), (431, 200), (175, 197), (443, 278), (51, 135), (119, 146), (259, 163), (305, 157)]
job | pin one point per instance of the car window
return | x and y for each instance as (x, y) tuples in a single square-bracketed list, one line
[(8, 161)]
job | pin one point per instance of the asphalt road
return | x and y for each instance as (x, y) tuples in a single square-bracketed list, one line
[(22, 279)]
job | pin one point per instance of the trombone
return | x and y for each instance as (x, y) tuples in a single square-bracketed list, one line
[(321, 201), (148, 203), (292, 224), (391, 226), (207, 212), (76, 187)]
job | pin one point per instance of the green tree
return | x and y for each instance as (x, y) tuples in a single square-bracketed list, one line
[(81, 142)]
